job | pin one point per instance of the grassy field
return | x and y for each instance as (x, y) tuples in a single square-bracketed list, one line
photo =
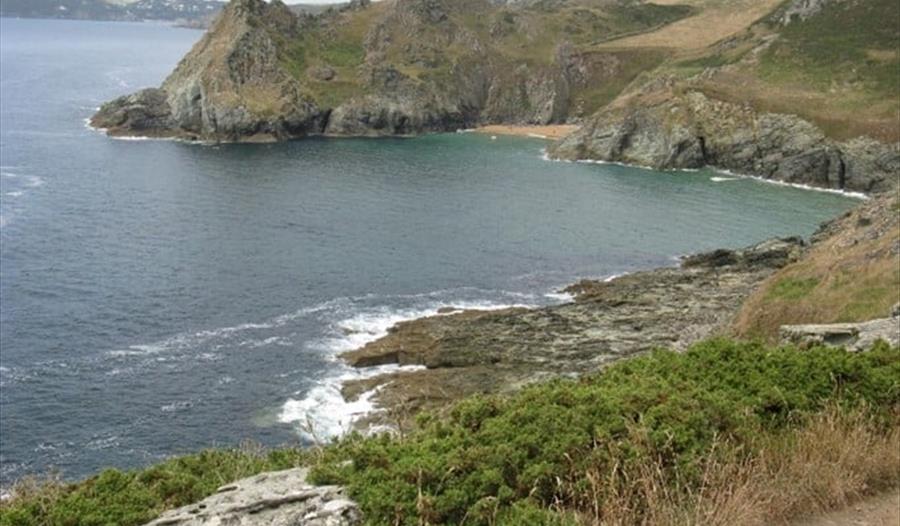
[(726, 433)]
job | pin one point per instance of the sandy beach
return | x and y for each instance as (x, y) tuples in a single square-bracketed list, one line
[(551, 131)]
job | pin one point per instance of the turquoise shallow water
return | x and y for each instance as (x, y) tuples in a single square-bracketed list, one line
[(159, 297)]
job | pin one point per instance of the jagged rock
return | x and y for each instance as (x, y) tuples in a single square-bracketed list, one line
[(799, 10), (692, 130), (230, 87), (773, 253), (282, 498)]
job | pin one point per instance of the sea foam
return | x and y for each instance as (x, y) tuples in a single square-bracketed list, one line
[(321, 412)]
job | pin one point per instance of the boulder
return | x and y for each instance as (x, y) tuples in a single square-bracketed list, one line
[(854, 337), (282, 498)]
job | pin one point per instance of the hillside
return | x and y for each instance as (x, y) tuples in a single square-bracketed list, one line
[(851, 274), (393, 68), (796, 91), (807, 94)]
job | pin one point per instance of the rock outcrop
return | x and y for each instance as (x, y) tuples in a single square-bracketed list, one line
[(231, 86), (854, 337), (399, 67), (497, 351), (281, 498), (692, 131)]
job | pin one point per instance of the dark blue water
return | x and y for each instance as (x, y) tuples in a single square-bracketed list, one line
[(159, 297)]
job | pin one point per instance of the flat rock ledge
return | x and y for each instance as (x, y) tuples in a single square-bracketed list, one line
[(487, 352), (282, 498), (854, 337)]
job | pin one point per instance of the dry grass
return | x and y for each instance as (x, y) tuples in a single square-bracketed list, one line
[(717, 19), (833, 461), (854, 275), (842, 114)]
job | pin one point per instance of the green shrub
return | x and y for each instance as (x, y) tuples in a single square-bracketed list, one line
[(528, 458), (534, 448), (117, 498)]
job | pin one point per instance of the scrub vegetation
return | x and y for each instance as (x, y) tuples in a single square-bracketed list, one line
[(725, 433)]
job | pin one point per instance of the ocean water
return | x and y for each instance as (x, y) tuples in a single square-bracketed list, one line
[(159, 297)]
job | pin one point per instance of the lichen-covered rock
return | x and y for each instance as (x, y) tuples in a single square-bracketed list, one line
[(282, 498)]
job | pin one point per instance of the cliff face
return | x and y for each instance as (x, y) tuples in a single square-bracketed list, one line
[(397, 67), (792, 98), (692, 130), (229, 87), (803, 95)]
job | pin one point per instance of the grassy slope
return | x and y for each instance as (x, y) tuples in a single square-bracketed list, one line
[(719, 417), (854, 275), (839, 69), (512, 36)]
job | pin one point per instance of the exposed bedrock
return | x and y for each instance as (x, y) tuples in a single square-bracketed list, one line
[(692, 130), (497, 351), (258, 75)]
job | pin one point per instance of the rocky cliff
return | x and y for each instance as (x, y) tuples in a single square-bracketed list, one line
[(691, 130), (771, 101), (396, 67), (807, 94)]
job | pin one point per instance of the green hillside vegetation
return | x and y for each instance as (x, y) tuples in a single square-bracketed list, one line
[(569, 451), (852, 43), (511, 37), (852, 276), (840, 68)]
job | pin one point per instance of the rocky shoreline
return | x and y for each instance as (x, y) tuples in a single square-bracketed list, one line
[(464, 353), (485, 352), (694, 131)]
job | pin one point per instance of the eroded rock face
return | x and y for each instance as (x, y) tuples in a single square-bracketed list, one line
[(408, 67), (692, 130), (229, 87), (282, 498)]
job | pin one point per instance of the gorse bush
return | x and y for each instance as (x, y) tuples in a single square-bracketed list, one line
[(117, 498), (534, 450), (554, 454)]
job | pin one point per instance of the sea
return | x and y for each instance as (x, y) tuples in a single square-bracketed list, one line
[(158, 297)]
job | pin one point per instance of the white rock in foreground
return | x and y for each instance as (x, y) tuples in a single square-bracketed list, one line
[(852, 336), (282, 498)]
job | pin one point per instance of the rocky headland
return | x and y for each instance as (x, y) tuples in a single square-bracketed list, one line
[(399, 67), (691, 130), (264, 72)]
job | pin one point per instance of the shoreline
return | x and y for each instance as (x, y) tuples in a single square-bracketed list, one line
[(471, 352), (729, 175), (552, 132)]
